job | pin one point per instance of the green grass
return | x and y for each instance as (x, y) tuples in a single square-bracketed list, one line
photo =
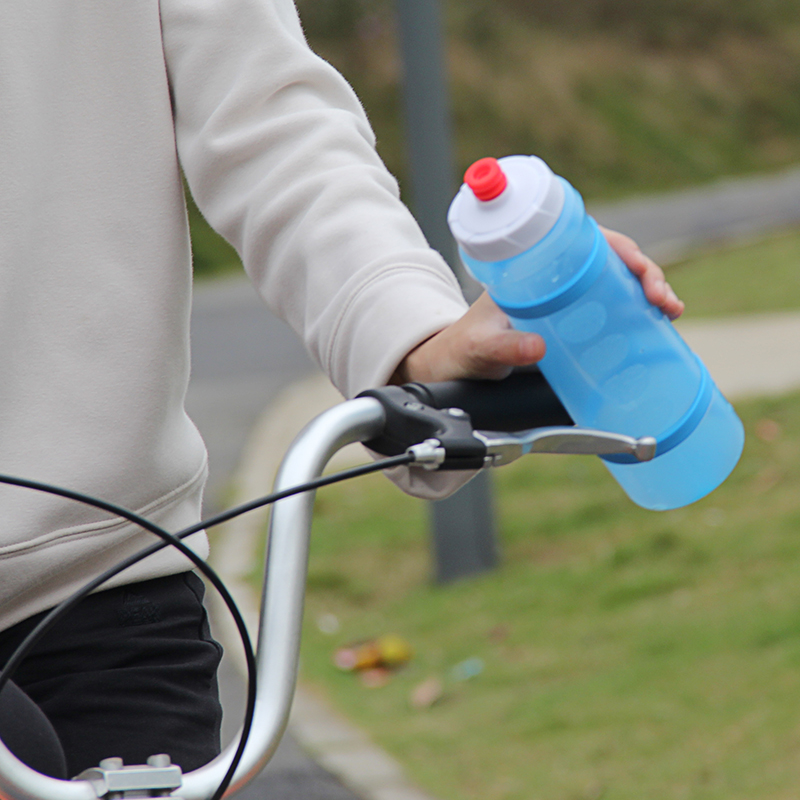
[(618, 96), (212, 256), (755, 276), (627, 653)]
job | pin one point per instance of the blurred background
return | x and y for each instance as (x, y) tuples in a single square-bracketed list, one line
[(613, 653), (619, 96)]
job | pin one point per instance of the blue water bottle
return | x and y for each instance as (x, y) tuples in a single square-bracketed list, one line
[(615, 361)]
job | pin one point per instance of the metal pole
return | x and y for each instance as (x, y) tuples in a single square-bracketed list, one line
[(464, 541), (463, 525)]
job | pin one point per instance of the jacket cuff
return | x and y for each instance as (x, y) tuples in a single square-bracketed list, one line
[(388, 316)]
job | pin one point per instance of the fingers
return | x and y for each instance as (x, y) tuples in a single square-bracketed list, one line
[(656, 288), (484, 345), (496, 354)]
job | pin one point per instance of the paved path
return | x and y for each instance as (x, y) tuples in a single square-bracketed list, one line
[(245, 360), (749, 356), (671, 225), (241, 357)]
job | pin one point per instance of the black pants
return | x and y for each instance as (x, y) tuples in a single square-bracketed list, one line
[(130, 672)]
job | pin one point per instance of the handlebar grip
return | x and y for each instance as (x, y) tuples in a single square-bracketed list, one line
[(521, 401)]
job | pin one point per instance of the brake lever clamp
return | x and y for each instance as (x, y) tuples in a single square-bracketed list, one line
[(113, 780), (437, 438)]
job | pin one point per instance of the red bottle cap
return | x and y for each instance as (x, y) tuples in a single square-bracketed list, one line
[(486, 179)]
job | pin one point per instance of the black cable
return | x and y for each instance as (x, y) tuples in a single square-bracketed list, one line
[(325, 480), (175, 540), (46, 623)]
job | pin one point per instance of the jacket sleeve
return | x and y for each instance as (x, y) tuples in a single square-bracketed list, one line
[(280, 158)]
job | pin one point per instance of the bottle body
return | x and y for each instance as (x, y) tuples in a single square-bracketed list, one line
[(615, 361)]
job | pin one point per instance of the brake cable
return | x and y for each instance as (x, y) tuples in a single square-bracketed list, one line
[(175, 540)]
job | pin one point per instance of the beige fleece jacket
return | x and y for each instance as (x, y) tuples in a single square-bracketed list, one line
[(99, 105)]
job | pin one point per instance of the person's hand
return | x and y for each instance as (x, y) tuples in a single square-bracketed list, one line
[(482, 344), (656, 288)]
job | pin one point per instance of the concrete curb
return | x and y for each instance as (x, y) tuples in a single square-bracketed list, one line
[(333, 742), (750, 355), (747, 356)]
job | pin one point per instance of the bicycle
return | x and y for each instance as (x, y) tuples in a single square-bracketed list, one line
[(449, 425)]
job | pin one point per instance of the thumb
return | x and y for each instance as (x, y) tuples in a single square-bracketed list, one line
[(494, 352)]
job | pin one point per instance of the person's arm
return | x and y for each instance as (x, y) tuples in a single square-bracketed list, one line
[(280, 158)]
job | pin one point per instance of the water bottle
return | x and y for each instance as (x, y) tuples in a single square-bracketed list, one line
[(615, 361)]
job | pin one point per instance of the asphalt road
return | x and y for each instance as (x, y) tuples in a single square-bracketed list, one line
[(242, 356), (673, 224)]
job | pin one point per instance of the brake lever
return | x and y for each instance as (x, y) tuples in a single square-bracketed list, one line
[(503, 448), (446, 439)]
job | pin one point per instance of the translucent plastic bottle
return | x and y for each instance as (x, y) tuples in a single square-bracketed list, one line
[(615, 361)]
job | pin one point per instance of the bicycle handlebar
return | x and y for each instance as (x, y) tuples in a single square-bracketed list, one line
[(387, 416)]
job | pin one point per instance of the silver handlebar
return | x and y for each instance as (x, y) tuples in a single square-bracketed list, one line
[(283, 594), (284, 591), (281, 617)]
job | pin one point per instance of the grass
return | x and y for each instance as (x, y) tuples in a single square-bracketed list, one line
[(212, 256), (626, 653), (753, 276), (618, 97)]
